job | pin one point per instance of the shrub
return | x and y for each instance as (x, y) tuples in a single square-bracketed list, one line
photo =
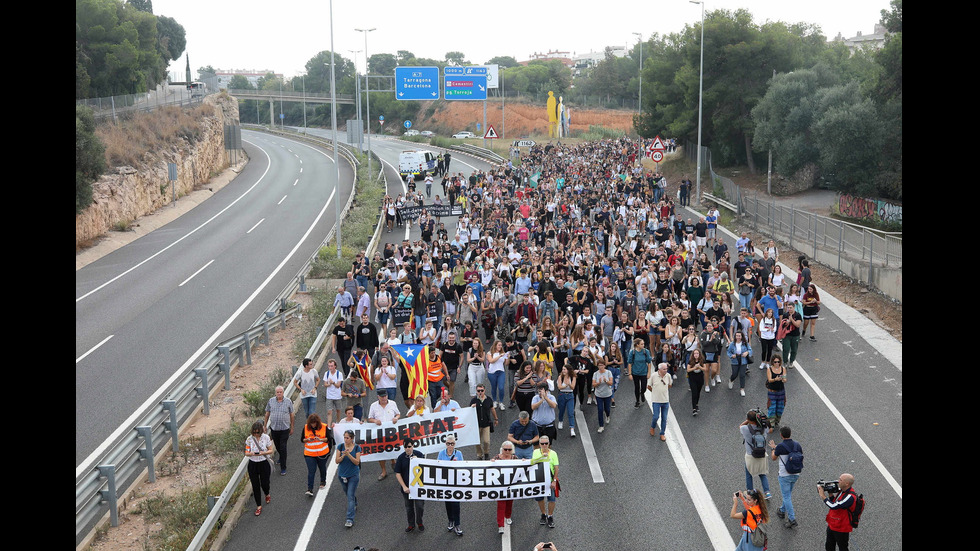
[(89, 157)]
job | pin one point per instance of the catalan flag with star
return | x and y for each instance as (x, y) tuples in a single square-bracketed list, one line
[(415, 358), (363, 364)]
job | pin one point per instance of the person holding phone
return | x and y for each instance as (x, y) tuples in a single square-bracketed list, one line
[(349, 472), (258, 450)]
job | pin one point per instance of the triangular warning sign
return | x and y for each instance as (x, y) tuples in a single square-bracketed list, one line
[(657, 144), (491, 133)]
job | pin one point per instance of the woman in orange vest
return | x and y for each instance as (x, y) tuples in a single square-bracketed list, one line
[(755, 513), (316, 448), (436, 374)]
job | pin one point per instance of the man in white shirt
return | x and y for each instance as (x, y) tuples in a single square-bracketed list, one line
[(383, 411)]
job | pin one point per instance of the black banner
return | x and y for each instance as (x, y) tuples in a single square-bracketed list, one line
[(400, 316), (412, 213)]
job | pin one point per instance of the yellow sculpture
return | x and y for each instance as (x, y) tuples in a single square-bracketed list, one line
[(552, 115)]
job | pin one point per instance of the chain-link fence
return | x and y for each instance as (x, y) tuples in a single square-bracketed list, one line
[(162, 95), (871, 256)]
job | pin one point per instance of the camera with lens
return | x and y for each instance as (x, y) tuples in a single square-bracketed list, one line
[(829, 486), (763, 419)]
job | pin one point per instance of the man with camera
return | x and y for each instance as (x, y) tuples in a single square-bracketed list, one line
[(840, 498)]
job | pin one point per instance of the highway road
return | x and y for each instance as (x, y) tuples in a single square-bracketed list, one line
[(153, 307)]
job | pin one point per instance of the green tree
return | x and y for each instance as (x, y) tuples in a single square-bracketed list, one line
[(172, 37), (205, 72), (504, 61), (456, 59), (239, 82), (382, 64), (89, 157), (142, 5)]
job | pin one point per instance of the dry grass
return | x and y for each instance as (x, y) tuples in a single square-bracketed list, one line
[(127, 142)]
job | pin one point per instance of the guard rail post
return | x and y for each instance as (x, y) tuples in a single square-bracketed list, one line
[(302, 284), (109, 494), (202, 389), (171, 423), (147, 451), (248, 349), (265, 327), (225, 365)]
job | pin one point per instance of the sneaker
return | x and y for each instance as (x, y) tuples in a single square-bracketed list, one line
[(695, 412), (509, 520), (636, 405), (544, 519), (551, 522), (282, 472), (500, 529), (731, 384), (742, 392), (451, 526), (768, 495), (780, 513), (600, 429), (459, 530), (561, 425), (643, 398), (513, 405), (421, 527), (675, 376), (613, 403), (309, 493), (713, 382), (573, 434), (348, 524), (707, 388), (813, 339), (790, 523), (409, 529), (502, 406)]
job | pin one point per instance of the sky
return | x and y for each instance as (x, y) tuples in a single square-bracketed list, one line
[(282, 36)]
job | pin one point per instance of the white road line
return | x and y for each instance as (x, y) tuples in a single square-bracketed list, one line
[(505, 538), (255, 226), (281, 200), (850, 430), (90, 350), (589, 448), (711, 517), (300, 170), (296, 182), (188, 234), (321, 498), (124, 426), (195, 273)]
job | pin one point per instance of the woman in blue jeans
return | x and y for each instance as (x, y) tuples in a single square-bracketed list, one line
[(497, 372), (602, 382), (566, 398), (349, 472)]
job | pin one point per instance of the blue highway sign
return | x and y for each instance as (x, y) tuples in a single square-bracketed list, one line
[(465, 83), (416, 83)]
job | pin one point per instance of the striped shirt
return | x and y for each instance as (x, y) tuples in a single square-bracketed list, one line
[(279, 413)]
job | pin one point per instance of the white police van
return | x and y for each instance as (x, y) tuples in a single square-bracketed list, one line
[(418, 163)]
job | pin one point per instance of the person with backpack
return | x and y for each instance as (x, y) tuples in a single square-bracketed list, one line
[(789, 454), (753, 520), (754, 434), (845, 512)]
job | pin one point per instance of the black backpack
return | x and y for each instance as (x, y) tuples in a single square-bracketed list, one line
[(858, 510), (757, 441)]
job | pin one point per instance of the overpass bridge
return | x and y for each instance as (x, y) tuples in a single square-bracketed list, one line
[(272, 96)]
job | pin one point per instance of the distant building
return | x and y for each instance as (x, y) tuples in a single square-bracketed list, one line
[(873, 41), (589, 60), (224, 77)]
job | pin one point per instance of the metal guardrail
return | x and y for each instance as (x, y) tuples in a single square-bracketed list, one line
[(479, 152), (99, 484), (224, 499)]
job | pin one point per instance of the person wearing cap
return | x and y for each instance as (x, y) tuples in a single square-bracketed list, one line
[(383, 411), (452, 507)]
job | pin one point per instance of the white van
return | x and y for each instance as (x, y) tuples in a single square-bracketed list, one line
[(417, 163)]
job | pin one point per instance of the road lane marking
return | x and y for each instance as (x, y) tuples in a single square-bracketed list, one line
[(296, 182), (188, 234), (583, 427), (281, 200), (195, 273), (255, 226), (711, 517), (90, 350), (318, 502)]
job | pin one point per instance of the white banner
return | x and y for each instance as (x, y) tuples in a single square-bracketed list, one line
[(434, 480), (429, 431)]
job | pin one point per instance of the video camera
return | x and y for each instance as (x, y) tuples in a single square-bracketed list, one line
[(763, 419), (829, 486)]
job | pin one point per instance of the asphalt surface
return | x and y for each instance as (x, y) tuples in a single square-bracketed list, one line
[(160, 302), (651, 495)]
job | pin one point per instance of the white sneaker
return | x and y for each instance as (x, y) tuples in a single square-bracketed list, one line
[(707, 388), (732, 384), (573, 436), (509, 520), (500, 529), (742, 391), (718, 378), (675, 377), (600, 429), (560, 425)]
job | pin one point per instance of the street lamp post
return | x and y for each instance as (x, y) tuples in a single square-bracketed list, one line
[(304, 104), (333, 122), (639, 101), (697, 196), (357, 94), (367, 81)]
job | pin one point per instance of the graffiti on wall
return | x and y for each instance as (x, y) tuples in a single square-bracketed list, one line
[(864, 208)]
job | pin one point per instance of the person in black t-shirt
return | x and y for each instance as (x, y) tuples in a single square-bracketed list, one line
[(452, 353), (343, 342)]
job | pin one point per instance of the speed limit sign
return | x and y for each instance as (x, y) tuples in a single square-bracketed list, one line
[(658, 156)]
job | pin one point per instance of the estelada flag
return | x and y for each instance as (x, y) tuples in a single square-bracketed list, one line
[(415, 358), (364, 371)]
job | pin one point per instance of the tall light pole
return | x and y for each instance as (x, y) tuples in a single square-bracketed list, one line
[(333, 121), (357, 94), (304, 104), (639, 101), (367, 81), (697, 196)]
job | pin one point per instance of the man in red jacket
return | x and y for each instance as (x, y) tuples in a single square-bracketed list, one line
[(839, 515)]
